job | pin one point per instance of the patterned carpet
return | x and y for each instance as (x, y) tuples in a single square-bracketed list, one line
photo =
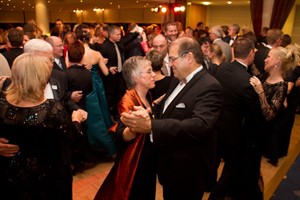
[(289, 188)]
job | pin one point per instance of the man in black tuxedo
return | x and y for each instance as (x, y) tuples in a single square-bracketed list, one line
[(239, 129), (184, 133), (15, 38), (233, 32)]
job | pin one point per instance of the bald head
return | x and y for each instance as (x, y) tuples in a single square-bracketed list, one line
[(160, 44)]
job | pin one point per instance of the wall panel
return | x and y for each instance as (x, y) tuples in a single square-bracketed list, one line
[(220, 15), (296, 29), (195, 14)]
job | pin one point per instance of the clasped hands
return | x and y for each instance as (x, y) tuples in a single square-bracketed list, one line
[(137, 120)]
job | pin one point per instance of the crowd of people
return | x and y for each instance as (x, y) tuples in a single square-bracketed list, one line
[(160, 100)]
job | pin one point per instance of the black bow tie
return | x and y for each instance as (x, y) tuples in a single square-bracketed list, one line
[(232, 38)]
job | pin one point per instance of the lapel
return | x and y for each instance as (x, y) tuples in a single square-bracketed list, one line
[(63, 63), (55, 66), (55, 88), (177, 99), (239, 65)]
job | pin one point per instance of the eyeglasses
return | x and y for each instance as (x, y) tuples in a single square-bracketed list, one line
[(173, 59), (149, 71)]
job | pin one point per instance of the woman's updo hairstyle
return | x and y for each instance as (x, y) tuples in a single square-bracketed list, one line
[(82, 33)]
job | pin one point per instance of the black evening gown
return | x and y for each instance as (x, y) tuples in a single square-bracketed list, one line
[(41, 169)]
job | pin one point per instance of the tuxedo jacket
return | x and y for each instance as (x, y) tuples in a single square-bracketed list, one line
[(226, 39), (241, 117), (12, 54), (184, 135)]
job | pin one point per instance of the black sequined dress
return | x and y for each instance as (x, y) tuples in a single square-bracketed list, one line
[(273, 110), (41, 170)]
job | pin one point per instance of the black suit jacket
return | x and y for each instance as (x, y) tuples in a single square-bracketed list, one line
[(80, 78), (184, 134), (108, 51), (241, 117), (226, 39), (63, 63), (61, 93), (58, 89), (12, 54)]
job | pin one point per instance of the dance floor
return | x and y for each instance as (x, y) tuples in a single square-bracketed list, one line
[(86, 183)]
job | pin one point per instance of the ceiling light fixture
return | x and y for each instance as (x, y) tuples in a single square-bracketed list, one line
[(206, 3), (98, 9), (77, 11)]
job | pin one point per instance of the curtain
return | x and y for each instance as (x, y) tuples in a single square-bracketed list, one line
[(256, 8), (281, 11)]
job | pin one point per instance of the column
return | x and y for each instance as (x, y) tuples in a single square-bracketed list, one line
[(41, 13), (267, 12), (79, 16)]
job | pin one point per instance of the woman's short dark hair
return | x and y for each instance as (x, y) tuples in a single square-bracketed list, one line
[(76, 52)]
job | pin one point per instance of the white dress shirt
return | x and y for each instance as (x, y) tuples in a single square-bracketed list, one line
[(48, 93), (179, 87)]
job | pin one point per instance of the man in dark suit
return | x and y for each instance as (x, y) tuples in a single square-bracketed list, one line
[(114, 84), (15, 38), (58, 71), (184, 133), (239, 129), (57, 87), (58, 47)]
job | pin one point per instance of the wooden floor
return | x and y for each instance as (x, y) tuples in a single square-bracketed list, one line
[(86, 184)]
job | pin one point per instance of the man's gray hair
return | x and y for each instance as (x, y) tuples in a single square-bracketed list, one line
[(217, 30)]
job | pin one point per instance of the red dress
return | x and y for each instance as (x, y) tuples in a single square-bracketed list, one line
[(119, 181)]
